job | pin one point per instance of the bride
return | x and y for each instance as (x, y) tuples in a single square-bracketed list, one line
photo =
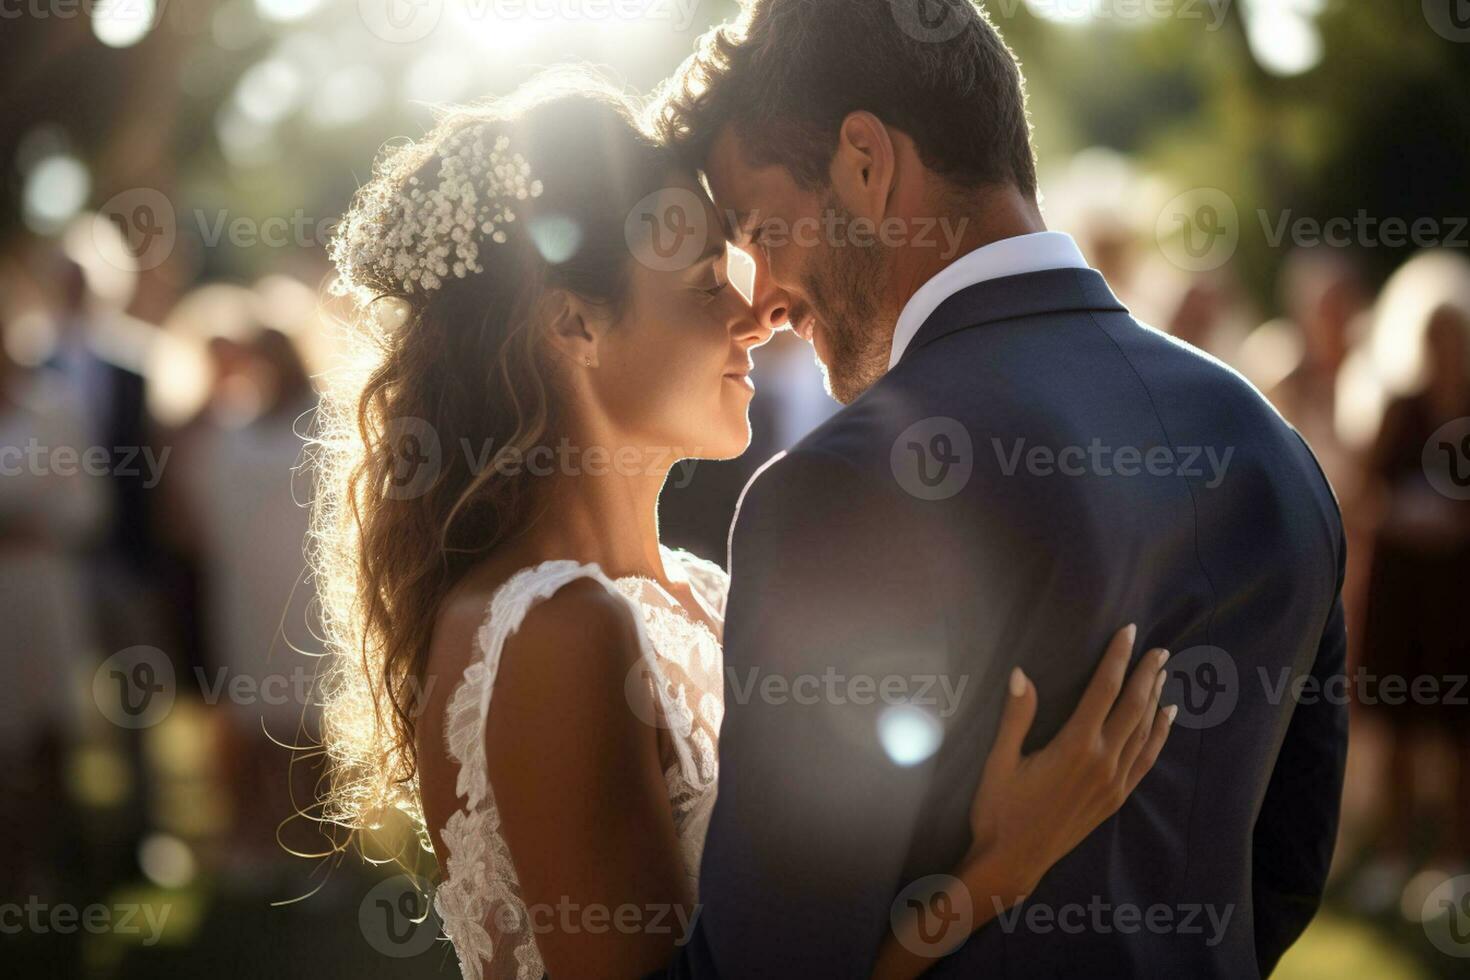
[(517, 662)]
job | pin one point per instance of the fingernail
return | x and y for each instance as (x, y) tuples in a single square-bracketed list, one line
[(1132, 632), (1018, 682), (1163, 656), (1170, 712)]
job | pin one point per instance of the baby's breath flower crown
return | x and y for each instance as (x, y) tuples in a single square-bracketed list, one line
[(408, 237)]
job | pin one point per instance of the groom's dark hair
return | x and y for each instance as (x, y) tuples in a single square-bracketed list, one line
[(788, 71)]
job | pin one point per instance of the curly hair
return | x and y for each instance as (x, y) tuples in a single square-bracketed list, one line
[(786, 73), (465, 368)]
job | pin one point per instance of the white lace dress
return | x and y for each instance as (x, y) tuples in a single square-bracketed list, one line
[(479, 900)]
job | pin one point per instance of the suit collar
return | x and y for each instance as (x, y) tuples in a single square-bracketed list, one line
[(1014, 297), (999, 259)]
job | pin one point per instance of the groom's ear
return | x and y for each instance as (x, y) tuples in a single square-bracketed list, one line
[(864, 165), (574, 327)]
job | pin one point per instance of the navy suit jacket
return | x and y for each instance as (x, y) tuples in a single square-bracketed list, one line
[(1037, 470)]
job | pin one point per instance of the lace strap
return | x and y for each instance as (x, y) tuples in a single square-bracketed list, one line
[(708, 579), (469, 707)]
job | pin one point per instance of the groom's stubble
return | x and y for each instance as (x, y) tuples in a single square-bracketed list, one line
[(848, 285)]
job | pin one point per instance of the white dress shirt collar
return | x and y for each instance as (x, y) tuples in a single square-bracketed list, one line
[(1007, 257)]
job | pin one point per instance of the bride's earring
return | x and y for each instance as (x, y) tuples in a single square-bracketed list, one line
[(587, 358)]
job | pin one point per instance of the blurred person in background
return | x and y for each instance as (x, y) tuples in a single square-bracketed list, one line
[(1324, 296), (203, 389), (51, 510), (252, 521), (111, 392), (1415, 613)]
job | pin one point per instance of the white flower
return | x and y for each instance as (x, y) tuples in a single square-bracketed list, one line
[(421, 234)]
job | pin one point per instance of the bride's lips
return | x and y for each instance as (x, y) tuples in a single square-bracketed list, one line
[(741, 378), (740, 374)]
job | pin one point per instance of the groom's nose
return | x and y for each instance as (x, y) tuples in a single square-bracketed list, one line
[(771, 303)]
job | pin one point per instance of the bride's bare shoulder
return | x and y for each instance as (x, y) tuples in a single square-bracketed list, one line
[(570, 653), (581, 615)]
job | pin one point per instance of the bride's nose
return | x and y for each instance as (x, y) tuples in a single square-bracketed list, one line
[(755, 326)]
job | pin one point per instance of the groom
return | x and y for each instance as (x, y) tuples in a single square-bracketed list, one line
[(1020, 469)]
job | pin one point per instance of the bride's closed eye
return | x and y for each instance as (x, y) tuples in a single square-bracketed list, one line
[(718, 278)]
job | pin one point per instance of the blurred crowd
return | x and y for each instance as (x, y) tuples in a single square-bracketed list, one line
[(154, 496)]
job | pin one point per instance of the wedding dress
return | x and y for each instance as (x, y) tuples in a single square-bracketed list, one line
[(479, 901)]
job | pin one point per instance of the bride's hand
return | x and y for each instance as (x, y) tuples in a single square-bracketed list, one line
[(1030, 811)]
